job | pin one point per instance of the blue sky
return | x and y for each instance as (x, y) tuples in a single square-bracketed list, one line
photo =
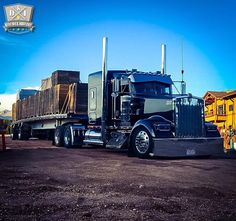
[(68, 35)]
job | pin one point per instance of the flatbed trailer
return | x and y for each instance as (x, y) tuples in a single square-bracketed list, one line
[(44, 126)]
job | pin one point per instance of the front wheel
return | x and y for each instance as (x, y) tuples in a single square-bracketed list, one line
[(141, 142)]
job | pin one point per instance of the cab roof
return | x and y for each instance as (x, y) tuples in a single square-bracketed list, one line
[(138, 76)]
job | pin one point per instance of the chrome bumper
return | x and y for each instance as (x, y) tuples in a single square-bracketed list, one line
[(180, 147)]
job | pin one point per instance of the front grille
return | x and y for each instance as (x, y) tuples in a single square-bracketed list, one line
[(189, 117)]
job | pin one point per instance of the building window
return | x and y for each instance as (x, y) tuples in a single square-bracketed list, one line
[(221, 109), (231, 107)]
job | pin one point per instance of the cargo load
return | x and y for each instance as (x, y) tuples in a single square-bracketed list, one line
[(60, 77), (61, 93), (24, 93), (65, 77)]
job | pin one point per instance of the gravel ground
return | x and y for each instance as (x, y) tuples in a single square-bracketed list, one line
[(42, 182)]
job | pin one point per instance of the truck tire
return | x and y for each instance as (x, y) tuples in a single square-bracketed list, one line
[(19, 134), (67, 137), (59, 136), (23, 132), (141, 142), (14, 133)]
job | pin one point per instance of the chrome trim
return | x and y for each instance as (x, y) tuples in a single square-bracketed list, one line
[(186, 96), (103, 95), (163, 59), (159, 125)]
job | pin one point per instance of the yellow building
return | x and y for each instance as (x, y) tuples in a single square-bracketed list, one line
[(221, 108)]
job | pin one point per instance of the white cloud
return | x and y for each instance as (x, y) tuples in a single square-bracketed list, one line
[(34, 88), (6, 101)]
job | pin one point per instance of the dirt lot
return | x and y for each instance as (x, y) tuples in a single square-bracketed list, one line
[(41, 182)]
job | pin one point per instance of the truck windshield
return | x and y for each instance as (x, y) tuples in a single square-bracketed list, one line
[(150, 88)]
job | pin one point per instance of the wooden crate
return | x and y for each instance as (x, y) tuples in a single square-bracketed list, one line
[(46, 83), (46, 102), (61, 98), (60, 92), (23, 109), (36, 103), (17, 110), (65, 77), (30, 106), (78, 102), (14, 112), (41, 104), (51, 98)]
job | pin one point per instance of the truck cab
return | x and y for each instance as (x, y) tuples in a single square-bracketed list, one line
[(130, 96), (142, 114)]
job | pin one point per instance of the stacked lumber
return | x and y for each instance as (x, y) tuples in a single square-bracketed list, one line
[(18, 110), (78, 102), (61, 93), (76, 99), (14, 112), (60, 77), (65, 77), (46, 83)]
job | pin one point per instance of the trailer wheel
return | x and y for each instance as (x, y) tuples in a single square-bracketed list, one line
[(58, 136), (19, 134), (14, 133), (67, 137), (23, 132), (141, 142)]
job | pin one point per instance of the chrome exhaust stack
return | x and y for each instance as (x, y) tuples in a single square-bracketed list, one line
[(103, 95), (163, 59)]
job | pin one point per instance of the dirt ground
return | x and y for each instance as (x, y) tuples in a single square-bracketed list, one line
[(42, 182)]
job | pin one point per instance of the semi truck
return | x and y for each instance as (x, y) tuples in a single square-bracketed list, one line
[(128, 109)]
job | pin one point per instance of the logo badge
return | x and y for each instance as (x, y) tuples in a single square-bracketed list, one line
[(18, 19)]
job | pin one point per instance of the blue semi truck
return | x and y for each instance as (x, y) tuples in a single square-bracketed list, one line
[(133, 110)]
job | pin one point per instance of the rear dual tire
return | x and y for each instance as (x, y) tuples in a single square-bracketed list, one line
[(67, 137), (58, 136), (63, 137), (22, 132)]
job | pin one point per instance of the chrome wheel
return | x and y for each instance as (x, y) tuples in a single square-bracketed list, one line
[(19, 135), (56, 137), (142, 142), (67, 137), (59, 136)]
